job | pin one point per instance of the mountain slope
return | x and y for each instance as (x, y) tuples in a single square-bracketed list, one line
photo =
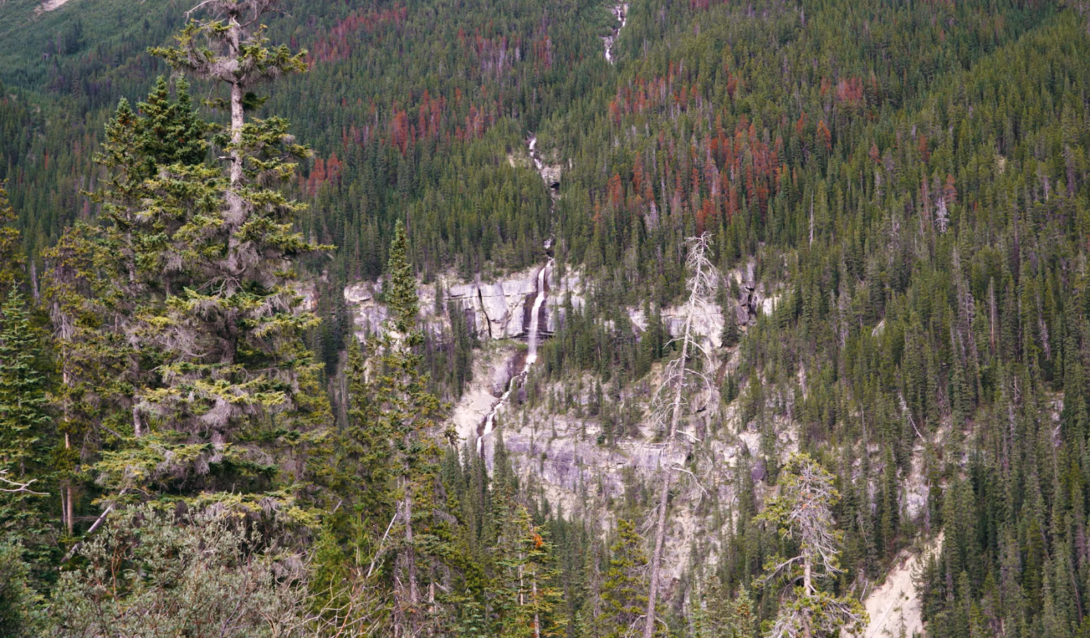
[(897, 197)]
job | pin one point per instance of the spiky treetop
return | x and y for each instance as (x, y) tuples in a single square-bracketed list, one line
[(211, 48)]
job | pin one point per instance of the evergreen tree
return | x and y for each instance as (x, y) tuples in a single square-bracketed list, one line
[(24, 423), (725, 617), (106, 279), (408, 411), (11, 250), (170, 132), (624, 588), (730, 335), (18, 616), (227, 334), (389, 461), (803, 511), (26, 432), (527, 601)]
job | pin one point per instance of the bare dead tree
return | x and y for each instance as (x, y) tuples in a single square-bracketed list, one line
[(671, 400)]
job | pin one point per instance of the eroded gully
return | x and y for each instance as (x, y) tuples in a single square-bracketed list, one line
[(620, 12), (534, 328)]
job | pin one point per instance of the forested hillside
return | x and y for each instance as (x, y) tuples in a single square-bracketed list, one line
[(560, 318)]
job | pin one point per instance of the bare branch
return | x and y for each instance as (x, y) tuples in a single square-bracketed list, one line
[(20, 488), (702, 283), (378, 552), (696, 481)]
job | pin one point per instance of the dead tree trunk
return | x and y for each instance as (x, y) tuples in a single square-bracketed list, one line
[(702, 284)]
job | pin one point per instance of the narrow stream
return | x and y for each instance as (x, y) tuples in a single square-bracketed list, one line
[(534, 331), (620, 11)]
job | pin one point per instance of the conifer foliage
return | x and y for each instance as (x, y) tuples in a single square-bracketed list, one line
[(406, 414), (193, 264), (803, 512), (24, 419), (230, 331), (11, 252), (897, 193)]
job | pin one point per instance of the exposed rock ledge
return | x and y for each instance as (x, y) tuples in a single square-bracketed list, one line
[(494, 310), (894, 607), (49, 5)]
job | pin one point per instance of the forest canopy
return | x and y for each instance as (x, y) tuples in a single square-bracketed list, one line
[(811, 290)]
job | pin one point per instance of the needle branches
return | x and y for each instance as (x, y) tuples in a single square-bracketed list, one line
[(802, 511)]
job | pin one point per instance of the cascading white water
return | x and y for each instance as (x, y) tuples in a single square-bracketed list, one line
[(531, 354), (538, 163), (620, 11), (535, 318)]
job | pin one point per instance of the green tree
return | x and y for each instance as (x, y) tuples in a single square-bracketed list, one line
[(26, 428), (725, 617), (624, 588), (527, 601), (11, 250), (19, 613), (407, 415), (802, 511), (227, 336), (24, 421), (170, 131), (106, 278), (731, 333)]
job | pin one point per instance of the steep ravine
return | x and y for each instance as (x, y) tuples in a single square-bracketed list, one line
[(620, 11), (556, 443), (551, 178)]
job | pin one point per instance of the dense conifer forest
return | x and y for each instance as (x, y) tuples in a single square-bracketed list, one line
[(794, 312)]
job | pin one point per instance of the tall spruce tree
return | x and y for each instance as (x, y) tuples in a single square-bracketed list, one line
[(527, 599), (183, 301), (104, 278), (228, 333), (408, 412), (25, 425), (28, 476), (624, 589)]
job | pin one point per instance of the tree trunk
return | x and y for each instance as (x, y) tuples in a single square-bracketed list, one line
[(66, 500), (537, 619), (410, 552), (656, 557), (137, 426), (68, 510), (235, 207), (237, 118), (664, 494)]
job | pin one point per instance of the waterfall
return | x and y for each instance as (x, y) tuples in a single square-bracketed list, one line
[(538, 164), (535, 317), (535, 314), (531, 354), (620, 11)]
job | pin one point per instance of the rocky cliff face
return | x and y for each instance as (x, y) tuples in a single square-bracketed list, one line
[(554, 440), (495, 310)]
